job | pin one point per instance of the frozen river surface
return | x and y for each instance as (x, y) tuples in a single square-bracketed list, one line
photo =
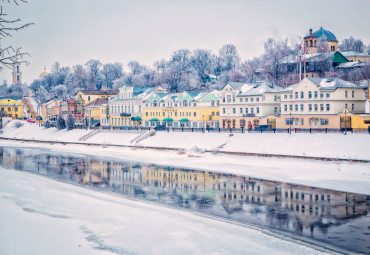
[(339, 219)]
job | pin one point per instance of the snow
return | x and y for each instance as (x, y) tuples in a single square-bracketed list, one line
[(42, 216), (331, 145)]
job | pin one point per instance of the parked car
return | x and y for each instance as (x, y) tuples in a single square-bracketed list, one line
[(97, 124), (264, 127), (79, 123), (31, 121), (160, 127)]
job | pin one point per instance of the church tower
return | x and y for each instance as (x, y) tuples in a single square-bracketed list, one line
[(17, 74)]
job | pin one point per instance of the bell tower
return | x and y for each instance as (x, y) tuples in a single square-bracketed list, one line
[(17, 74)]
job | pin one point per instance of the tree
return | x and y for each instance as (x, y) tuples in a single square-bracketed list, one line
[(60, 91), (204, 62), (352, 44), (60, 123), (70, 122), (322, 45), (10, 54)]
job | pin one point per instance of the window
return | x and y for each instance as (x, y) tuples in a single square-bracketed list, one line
[(285, 96), (218, 113), (223, 100), (321, 107), (285, 108), (353, 94), (234, 99), (316, 94), (246, 110), (146, 114), (195, 114), (252, 110), (327, 107), (327, 95), (291, 107), (234, 110), (324, 122), (275, 109), (228, 98), (195, 124), (88, 98), (302, 121), (310, 107), (223, 110), (258, 99), (246, 99), (353, 107), (346, 94), (345, 106), (309, 94), (241, 110), (321, 95), (275, 98), (296, 107), (302, 108), (258, 110), (302, 94), (289, 121), (290, 96), (240, 100), (213, 103), (296, 95), (213, 113), (316, 107), (252, 99)]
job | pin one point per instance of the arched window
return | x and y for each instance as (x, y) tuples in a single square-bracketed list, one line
[(311, 43), (154, 103), (213, 103), (309, 94)]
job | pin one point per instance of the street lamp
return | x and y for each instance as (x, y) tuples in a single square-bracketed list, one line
[(203, 124), (290, 122), (345, 121)]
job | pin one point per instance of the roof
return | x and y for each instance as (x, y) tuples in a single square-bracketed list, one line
[(353, 64), (336, 57), (323, 32), (327, 84), (97, 102), (99, 92), (12, 98), (354, 54), (259, 88), (236, 85)]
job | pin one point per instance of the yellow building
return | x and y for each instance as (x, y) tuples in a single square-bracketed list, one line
[(355, 56), (186, 109), (85, 97), (311, 40), (93, 110), (11, 107)]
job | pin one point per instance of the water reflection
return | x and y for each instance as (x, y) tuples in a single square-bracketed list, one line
[(339, 218)]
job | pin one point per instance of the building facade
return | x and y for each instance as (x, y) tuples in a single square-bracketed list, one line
[(312, 39), (11, 107)]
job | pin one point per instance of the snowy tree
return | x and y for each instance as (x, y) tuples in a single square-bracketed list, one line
[(42, 95), (229, 58), (60, 91), (204, 62), (95, 80), (60, 123), (322, 45), (70, 122), (110, 73), (352, 44), (10, 54), (178, 69)]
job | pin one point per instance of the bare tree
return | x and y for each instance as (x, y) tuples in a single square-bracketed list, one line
[(9, 54), (352, 44)]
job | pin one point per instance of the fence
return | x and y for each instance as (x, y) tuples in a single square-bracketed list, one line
[(237, 130)]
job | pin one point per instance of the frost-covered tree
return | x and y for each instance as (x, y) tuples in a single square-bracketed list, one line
[(10, 54), (95, 79), (352, 44), (322, 45), (60, 91), (60, 123), (70, 122), (203, 62), (111, 72), (229, 57)]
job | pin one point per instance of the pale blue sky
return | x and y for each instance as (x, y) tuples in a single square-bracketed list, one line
[(74, 31)]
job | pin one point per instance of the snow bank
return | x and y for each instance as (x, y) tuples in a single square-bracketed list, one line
[(332, 145), (73, 220)]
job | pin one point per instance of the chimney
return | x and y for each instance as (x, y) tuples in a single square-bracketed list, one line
[(257, 75)]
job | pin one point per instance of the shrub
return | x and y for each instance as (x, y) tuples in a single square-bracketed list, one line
[(47, 124), (70, 122), (60, 123)]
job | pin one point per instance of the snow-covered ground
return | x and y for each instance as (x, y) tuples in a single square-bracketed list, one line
[(332, 145), (42, 216)]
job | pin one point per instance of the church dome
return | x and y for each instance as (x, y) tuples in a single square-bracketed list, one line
[(322, 32), (44, 73)]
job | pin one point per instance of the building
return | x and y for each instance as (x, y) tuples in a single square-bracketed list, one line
[(85, 97), (17, 74), (185, 109), (44, 73), (245, 105), (311, 40), (11, 107), (125, 109), (355, 56), (321, 103), (68, 106), (30, 108), (93, 110)]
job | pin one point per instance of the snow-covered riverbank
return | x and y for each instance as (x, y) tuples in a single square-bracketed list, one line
[(42, 216), (335, 145)]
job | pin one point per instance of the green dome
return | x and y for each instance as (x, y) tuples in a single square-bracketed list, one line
[(322, 32)]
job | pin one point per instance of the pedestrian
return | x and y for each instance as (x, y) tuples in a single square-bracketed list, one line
[(368, 129)]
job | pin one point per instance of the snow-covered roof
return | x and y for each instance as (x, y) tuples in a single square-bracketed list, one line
[(327, 84), (97, 103), (353, 64), (259, 88), (354, 54)]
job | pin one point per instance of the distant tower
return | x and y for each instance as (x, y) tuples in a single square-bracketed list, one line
[(17, 74)]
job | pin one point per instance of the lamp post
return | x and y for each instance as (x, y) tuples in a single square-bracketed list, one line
[(290, 122), (203, 124), (345, 121)]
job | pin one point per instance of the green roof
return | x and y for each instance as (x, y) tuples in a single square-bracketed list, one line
[(184, 120), (167, 119), (135, 118), (154, 119), (322, 32)]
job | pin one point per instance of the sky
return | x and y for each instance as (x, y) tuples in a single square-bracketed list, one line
[(75, 31)]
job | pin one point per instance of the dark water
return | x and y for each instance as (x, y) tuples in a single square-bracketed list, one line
[(339, 218)]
